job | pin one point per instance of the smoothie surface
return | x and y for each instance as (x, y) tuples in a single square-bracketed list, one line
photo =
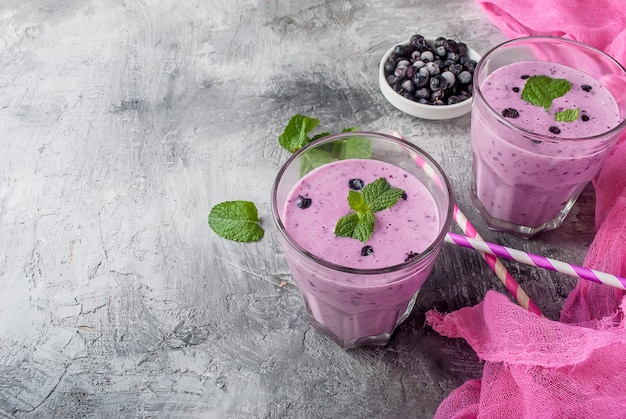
[(598, 110), (407, 228)]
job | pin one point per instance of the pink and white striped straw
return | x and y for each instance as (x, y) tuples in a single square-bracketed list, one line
[(536, 260), (494, 263)]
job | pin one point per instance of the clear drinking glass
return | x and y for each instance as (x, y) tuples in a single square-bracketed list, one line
[(526, 180), (359, 307)]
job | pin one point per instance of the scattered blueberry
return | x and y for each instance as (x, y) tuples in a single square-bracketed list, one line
[(356, 184), (554, 130), (404, 196), (427, 56), (367, 250), (303, 202), (516, 89), (586, 87), (584, 118), (510, 113), (525, 76)]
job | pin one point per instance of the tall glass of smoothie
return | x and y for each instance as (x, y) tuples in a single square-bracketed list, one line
[(358, 291), (546, 112)]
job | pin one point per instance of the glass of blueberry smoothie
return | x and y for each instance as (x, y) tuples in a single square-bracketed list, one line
[(362, 217), (546, 112)]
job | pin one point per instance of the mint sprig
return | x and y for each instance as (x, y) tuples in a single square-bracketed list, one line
[(542, 90), (567, 115), (295, 135), (374, 197), (236, 220)]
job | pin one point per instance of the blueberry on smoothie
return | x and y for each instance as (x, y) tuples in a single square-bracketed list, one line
[(303, 202), (367, 250), (510, 113), (554, 130), (586, 87), (356, 184)]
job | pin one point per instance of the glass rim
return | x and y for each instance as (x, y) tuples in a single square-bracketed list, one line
[(543, 137), (437, 242)]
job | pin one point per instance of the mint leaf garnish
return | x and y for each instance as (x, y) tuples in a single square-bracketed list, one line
[(374, 197), (380, 195), (294, 137), (357, 202), (568, 115), (542, 90), (236, 220), (357, 225)]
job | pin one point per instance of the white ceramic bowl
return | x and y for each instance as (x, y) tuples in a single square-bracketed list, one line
[(418, 109)]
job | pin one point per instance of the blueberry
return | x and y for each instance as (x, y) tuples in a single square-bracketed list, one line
[(422, 93), (367, 250), (554, 130), (410, 256), (432, 68), (441, 51), (390, 66), (400, 71), (439, 41), (450, 78), (408, 86), (584, 118), (455, 69), (451, 45), (420, 80), (356, 184), (437, 83), (515, 89), (452, 56), (427, 56), (404, 196), (424, 72), (525, 76), (415, 38), (461, 48), (470, 65), (454, 99), (418, 63), (586, 87), (303, 202), (400, 50), (391, 79), (415, 55), (410, 71), (464, 77), (510, 113), (438, 96), (421, 44)]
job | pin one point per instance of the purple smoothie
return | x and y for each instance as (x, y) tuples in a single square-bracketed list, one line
[(371, 301), (527, 169)]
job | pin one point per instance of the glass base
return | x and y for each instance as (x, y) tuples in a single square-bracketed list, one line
[(349, 343), (525, 232)]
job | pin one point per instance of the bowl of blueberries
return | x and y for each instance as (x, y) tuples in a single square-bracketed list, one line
[(430, 78)]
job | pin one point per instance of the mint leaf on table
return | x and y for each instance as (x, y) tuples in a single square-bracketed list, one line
[(295, 135), (567, 115), (380, 195), (374, 197), (542, 90), (236, 220)]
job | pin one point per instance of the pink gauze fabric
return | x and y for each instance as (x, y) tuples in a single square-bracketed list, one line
[(535, 367)]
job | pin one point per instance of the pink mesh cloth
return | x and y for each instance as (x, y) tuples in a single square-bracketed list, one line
[(535, 367)]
